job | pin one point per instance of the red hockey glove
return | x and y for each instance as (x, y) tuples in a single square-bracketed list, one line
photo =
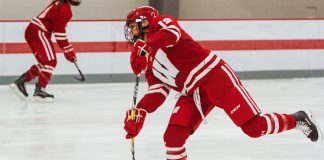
[(138, 58), (70, 54), (133, 127)]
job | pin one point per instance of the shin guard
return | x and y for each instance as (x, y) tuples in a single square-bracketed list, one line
[(268, 124)]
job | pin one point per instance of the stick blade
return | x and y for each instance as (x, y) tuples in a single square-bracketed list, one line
[(82, 79)]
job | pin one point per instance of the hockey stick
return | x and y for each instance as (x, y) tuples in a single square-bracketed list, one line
[(133, 112), (82, 77), (133, 106)]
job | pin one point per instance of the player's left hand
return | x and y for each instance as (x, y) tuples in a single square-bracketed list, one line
[(70, 55), (134, 126), (138, 58)]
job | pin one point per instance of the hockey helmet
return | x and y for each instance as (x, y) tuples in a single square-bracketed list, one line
[(138, 15)]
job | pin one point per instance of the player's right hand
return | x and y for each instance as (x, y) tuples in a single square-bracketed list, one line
[(70, 55), (138, 58), (134, 122)]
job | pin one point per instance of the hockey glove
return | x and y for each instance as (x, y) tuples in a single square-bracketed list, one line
[(139, 55), (134, 126), (69, 54)]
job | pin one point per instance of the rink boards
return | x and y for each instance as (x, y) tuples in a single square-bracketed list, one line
[(249, 46)]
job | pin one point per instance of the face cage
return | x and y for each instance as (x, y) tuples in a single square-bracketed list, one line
[(127, 31), (128, 36)]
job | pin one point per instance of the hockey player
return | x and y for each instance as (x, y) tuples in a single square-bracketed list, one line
[(173, 60), (52, 20)]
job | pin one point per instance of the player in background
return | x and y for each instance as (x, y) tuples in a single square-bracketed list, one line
[(173, 60), (52, 20)]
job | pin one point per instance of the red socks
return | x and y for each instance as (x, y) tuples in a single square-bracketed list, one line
[(268, 124), (44, 74)]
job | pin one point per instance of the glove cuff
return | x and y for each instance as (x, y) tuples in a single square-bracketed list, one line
[(67, 49)]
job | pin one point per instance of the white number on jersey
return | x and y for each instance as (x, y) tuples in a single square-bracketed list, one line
[(163, 69), (172, 28)]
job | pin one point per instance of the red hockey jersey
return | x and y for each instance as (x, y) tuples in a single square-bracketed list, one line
[(54, 20), (178, 62)]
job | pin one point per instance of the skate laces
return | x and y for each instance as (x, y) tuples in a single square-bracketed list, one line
[(303, 127)]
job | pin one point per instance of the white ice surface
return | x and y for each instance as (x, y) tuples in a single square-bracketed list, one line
[(86, 123)]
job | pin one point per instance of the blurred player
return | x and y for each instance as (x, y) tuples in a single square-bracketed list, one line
[(171, 59), (52, 20)]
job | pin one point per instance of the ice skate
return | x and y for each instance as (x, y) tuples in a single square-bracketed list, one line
[(306, 123), (19, 87), (41, 96)]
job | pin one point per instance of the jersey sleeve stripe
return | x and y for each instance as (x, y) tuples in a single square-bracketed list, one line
[(59, 34), (61, 38), (173, 27), (176, 33), (155, 86), (160, 90), (43, 14), (66, 47)]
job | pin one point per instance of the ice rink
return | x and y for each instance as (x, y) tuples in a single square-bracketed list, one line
[(85, 122)]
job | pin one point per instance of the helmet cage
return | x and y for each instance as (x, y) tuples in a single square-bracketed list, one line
[(128, 30), (138, 15)]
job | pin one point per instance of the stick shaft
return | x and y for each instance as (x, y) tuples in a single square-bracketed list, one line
[(133, 112), (135, 90)]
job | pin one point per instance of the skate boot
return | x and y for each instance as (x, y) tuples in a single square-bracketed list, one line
[(306, 123), (19, 87), (41, 96)]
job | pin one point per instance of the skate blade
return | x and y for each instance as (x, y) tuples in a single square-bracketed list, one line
[(37, 99), (15, 89), (313, 119)]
